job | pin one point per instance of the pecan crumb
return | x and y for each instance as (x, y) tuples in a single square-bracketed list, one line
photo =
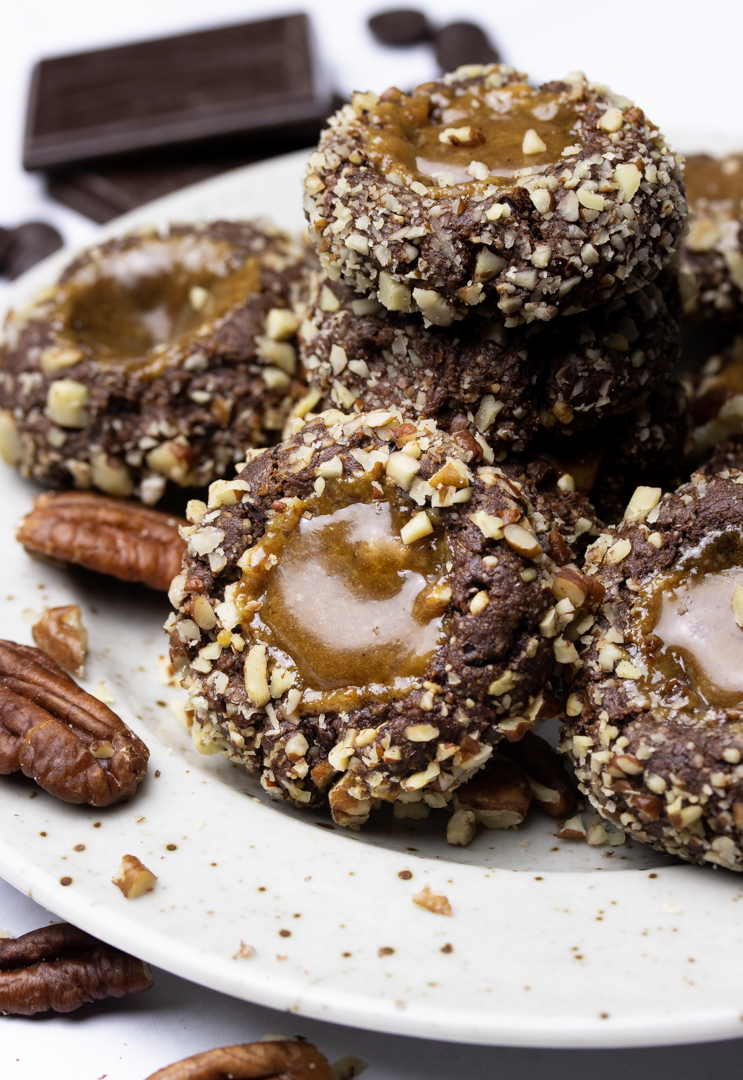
[(61, 634), (133, 878), (434, 902), (349, 1066)]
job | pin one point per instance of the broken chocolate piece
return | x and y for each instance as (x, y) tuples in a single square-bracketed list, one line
[(400, 27), (22, 247), (463, 43)]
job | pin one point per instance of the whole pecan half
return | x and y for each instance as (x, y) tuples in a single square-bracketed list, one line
[(123, 539), (551, 786), (60, 968), (252, 1061), (499, 795), (73, 745)]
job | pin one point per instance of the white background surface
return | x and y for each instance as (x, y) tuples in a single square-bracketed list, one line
[(679, 63)]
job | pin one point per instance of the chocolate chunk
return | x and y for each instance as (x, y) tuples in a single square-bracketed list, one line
[(463, 43), (400, 27), (254, 77), (23, 247)]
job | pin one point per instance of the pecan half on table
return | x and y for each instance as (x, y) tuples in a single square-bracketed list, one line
[(70, 743), (253, 1061), (59, 968), (122, 539)]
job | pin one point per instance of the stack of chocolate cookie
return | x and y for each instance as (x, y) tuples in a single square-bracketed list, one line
[(496, 257), (377, 603)]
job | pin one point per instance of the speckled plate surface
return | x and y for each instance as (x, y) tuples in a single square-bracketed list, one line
[(551, 943)]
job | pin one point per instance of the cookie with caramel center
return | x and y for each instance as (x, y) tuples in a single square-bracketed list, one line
[(371, 606)]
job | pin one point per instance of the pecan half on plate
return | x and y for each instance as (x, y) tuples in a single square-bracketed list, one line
[(122, 539), (60, 968), (253, 1061), (551, 786), (73, 745)]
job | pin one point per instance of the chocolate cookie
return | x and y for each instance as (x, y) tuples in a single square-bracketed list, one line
[(711, 261), (726, 456), (646, 447), (655, 718), (367, 610), (504, 386), (155, 358), (480, 193), (717, 399)]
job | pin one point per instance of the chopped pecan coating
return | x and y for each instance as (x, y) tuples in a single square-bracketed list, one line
[(70, 743), (61, 634), (550, 784), (122, 539), (252, 1061), (60, 968)]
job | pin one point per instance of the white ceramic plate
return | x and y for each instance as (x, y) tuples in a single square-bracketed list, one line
[(550, 944)]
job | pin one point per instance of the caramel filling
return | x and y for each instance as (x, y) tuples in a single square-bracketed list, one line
[(152, 295), (693, 645), (514, 131), (348, 609), (713, 179)]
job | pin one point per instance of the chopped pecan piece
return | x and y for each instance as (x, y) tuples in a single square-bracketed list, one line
[(133, 878), (580, 589), (60, 968), (431, 901), (61, 634), (73, 745), (252, 1061), (548, 779), (122, 539)]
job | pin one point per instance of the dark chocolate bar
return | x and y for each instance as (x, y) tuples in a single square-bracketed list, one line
[(214, 85)]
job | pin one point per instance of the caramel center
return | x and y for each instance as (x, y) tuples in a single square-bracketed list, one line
[(348, 608), (152, 295), (511, 132), (694, 645)]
